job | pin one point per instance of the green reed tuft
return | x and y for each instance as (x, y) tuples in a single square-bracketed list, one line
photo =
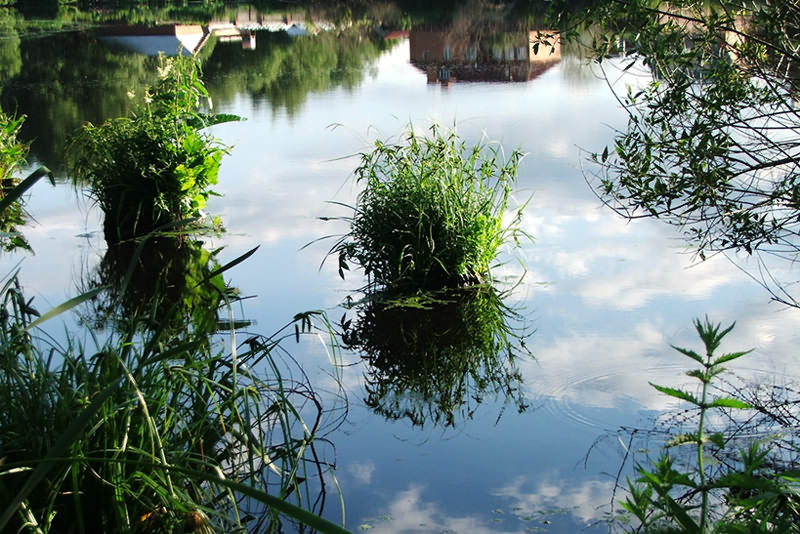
[(431, 214), (156, 166), (154, 430)]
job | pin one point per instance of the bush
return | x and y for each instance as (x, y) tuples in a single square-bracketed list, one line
[(156, 166), (431, 212)]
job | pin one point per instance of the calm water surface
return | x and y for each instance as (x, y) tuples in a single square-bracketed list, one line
[(604, 298)]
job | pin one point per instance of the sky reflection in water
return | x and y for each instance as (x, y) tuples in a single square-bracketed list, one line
[(606, 297)]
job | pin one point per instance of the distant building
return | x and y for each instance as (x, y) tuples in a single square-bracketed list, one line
[(515, 56), (152, 40)]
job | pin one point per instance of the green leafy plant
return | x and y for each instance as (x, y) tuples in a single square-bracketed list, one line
[(156, 166), (12, 160), (431, 214), (164, 431), (744, 495), (711, 143)]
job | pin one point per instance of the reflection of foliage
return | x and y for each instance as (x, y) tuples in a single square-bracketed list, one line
[(155, 433), (170, 280), (130, 11), (10, 57), (67, 80), (431, 212), (156, 166), (435, 357), (284, 70)]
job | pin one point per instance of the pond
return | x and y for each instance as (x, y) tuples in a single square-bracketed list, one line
[(601, 300)]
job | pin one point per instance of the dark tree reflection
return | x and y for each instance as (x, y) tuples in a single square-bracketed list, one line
[(171, 281), (435, 357)]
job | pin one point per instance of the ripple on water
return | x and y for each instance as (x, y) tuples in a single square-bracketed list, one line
[(602, 398)]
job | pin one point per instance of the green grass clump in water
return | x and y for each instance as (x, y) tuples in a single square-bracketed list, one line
[(157, 166), (431, 212)]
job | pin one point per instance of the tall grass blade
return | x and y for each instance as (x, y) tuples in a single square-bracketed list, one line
[(67, 438), (65, 306), (12, 196)]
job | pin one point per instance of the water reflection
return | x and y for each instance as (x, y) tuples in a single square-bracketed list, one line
[(169, 281), (434, 357), (483, 43)]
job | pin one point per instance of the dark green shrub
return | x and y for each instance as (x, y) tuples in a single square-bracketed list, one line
[(431, 212), (156, 166)]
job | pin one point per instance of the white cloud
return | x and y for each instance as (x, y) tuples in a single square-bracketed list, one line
[(362, 471), (550, 491)]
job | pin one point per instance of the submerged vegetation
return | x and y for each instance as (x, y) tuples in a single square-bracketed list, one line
[(431, 214), (155, 167)]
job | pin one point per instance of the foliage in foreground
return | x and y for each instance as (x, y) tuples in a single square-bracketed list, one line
[(431, 212), (155, 167), (160, 432), (711, 144), (717, 492)]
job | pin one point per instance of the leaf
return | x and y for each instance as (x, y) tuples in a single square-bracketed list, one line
[(698, 374), (229, 265), (728, 357), (729, 402), (13, 195), (61, 308), (717, 439), (690, 353), (677, 393)]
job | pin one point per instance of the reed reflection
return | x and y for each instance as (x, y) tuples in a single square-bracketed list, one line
[(170, 281), (435, 357)]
